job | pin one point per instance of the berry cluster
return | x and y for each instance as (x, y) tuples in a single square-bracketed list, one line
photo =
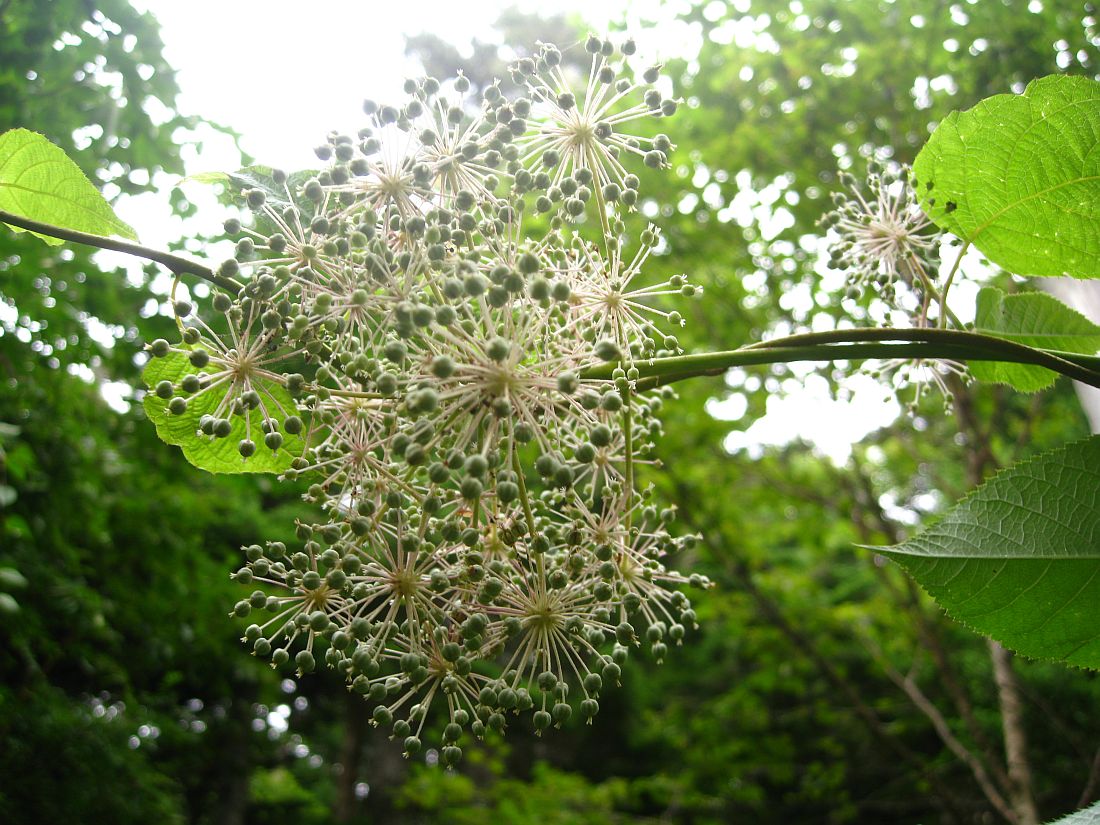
[(419, 317), (882, 237)]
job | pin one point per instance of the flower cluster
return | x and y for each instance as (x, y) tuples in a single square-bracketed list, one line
[(883, 240), (882, 235), (418, 318)]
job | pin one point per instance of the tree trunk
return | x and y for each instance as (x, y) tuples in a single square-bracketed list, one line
[(1020, 792)]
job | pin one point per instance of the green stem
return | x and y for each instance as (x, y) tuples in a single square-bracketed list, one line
[(950, 278), (1010, 350), (857, 345), (174, 263), (528, 513), (628, 446)]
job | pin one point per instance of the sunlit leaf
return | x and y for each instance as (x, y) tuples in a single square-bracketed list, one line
[(1018, 176), (218, 455), (207, 177), (40, 182)]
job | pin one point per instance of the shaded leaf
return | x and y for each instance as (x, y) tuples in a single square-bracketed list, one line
[(1019, 177), (218, 455), (40, 182), (1034, 319), (1019, 558)]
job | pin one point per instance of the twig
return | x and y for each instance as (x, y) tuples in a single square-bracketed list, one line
[(174, 263)]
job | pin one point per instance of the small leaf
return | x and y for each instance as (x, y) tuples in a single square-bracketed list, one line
[(1018, 176), (1034, 319), (1086, 816), (40, 182), (278, 196), (1019, 558), (218, 455), (206, 177)]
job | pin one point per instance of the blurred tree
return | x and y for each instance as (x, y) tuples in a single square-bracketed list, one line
[(118, 670), (779, 96)]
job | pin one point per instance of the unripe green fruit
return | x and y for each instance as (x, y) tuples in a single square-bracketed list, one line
[(608, 350), (546, 465), (451, 755), (305, 661), (471, 488), (498, 349), (443, 366), (611, 401), (624, 633)]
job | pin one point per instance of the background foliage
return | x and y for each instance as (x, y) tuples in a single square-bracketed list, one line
[(824, 686)]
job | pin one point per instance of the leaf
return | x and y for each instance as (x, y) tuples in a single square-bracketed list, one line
[(206, 177), (1034, 319), (40, 182), (1086, 816), (1019, 558), (263, 178), (276, 194), (1018, 176), (218, 455)]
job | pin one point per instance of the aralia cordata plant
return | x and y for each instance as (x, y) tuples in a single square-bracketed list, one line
[(430, 300), (447, 335)]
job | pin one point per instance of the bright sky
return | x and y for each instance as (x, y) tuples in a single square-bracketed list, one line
[(283, 73)]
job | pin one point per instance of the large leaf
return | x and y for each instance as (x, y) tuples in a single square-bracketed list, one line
[(1019, 559), (1019, 177), (40, 182), (218, 455), (1086, 816), (1034, 319)]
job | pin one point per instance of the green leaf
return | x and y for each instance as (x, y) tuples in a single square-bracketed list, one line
[(40, 182), (1034, 319), (1019, 558), (278, 196), (1086, 816), (206, 177), (1018, 176), (218, 455)]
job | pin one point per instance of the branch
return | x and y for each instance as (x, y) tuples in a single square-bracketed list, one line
[(174, 263), (857, 345), (943, 729), (1092, 784)]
